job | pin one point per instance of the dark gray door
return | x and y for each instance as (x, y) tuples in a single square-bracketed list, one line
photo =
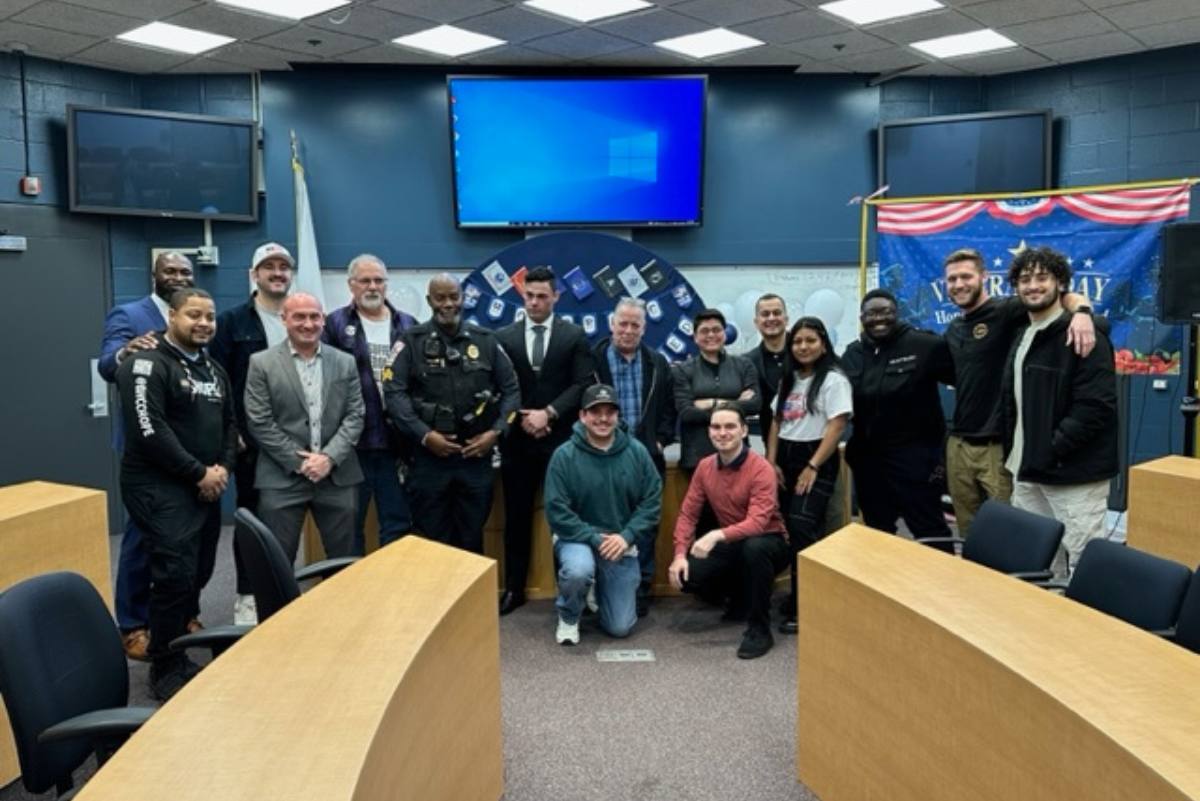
[(53, 298)]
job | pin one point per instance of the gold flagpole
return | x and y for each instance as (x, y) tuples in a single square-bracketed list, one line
[(1074, 190)]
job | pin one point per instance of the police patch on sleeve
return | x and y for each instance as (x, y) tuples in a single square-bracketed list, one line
[(142, 367)]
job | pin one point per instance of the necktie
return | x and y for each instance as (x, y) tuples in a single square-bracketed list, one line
[(539, 346)]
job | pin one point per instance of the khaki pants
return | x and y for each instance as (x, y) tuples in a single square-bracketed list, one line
[(975, 473), (1080, 507)]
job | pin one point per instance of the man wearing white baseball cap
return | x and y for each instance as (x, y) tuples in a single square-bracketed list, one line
[(241, 332)]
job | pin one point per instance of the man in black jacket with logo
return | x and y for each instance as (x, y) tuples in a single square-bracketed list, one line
[(179, 450), (896, 446), (553, 365), (646, 397), (1060, 410)]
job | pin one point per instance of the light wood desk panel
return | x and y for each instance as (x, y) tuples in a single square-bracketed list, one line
[(46, 527), (380, 683), (1164, 508), (926, 678)]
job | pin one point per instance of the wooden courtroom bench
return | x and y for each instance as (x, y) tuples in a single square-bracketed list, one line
[(922, 677), (46, 527), (382, 682), (1164, 508)]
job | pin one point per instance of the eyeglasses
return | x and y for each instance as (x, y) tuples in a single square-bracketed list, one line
[(370, 281)]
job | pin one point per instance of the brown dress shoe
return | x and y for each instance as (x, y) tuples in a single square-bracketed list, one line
[(194, 625), (136, 643)]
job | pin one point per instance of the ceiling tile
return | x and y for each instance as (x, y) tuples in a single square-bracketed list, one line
[(74, 19), (208, 65), (790, 27), (1174, 33), (1152, 12), (1007, 61), (299, 38), (129, 57), (642, 57), (371, 23), (938, 68), (227, 22), (925, 26), (1115, 43), (581, 43), (652, 25), (515, 24), (391, 54), (1104, 3), (766, 56), (723, 12), (1059, 29), (43, 41), (255, 55), (997, 13), (881, 60), (148, 10), (440, 10), (841, 44), (10, 7), (515, 56), (820, 68)]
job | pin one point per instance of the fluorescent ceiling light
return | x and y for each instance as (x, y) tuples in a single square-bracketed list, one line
[(864, 12), (965, 44), (587, 10), (446, 40), (288, 9), (707, 44), (163, 36)]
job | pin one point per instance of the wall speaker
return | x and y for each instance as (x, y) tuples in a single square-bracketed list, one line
[(1179, 274)]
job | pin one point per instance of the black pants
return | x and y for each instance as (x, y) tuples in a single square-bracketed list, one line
[(247, 498), (524, 472), (451, 498), (181, 534), (744, 569), (900, 482), (804, 514)]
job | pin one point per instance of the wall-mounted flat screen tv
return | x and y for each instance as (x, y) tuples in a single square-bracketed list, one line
[(159, 164), (966, 154), (533, 152)]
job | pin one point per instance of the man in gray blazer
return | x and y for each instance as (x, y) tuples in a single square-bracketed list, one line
[(304, 408)]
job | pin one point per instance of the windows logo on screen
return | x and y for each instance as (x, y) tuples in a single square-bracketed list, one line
[(634, 157)]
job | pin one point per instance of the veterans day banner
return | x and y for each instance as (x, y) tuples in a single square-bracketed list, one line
[(1110, 239)]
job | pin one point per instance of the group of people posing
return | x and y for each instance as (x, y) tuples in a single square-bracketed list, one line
[(315, 413)]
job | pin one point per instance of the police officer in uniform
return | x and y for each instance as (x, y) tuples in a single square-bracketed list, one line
[(452, 389)]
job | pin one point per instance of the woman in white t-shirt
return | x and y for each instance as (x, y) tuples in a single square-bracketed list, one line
[(812, 408)]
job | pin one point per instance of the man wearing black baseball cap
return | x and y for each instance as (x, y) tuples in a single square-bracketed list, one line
[(603, 494)]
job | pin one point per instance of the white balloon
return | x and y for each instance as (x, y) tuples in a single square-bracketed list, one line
[(828, 305)]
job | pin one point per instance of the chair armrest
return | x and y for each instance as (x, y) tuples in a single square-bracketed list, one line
[(1050, 585), (101, 724), (1166, 634), (325, 568), (216, 639), (925, 540), (1034, 576)]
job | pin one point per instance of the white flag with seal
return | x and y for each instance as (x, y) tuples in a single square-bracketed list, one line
[(308, 263)]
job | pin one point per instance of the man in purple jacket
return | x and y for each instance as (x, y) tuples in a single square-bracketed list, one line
[(368, 328)]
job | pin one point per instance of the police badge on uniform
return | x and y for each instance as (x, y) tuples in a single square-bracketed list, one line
[(979, 331), (472, 351)]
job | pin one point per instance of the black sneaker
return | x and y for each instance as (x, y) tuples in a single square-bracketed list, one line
[(788, 625), (755, 643), (168, 679)]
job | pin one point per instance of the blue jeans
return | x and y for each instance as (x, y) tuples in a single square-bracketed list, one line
[(391, 501), (616, 586), (132, 599)]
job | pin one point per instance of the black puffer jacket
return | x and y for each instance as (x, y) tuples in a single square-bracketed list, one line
[(1068, 409)]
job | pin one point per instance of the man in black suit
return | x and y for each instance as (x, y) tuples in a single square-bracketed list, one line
[(553, 365)]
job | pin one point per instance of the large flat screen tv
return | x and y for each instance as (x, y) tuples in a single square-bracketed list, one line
[(533, 152), (966, 154), (159, 164)]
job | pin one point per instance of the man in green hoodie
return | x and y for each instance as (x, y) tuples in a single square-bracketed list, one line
[(603, 493)]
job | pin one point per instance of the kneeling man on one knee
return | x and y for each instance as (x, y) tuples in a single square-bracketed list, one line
[(739, 560), (603, 494)]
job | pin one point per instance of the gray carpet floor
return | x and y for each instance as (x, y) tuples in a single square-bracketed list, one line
[(697, 723)]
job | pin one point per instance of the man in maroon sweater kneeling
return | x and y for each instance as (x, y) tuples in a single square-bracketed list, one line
[(739, 560)]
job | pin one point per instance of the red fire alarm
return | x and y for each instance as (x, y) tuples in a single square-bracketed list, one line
[(31, 185)]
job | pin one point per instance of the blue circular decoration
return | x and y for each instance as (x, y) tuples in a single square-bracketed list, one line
[(594, 271)]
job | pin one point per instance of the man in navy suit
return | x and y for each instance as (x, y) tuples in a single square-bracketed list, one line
[(553, 364), (129, 328)]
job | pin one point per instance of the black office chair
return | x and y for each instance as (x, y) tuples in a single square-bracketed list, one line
[(1142, 589), (64, 679), (1010, 540), (271, 579), (1187, 627)]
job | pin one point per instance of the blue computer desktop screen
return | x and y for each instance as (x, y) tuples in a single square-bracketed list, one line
[(577, 151)]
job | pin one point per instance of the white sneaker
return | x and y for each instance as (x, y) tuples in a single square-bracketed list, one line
[(566, 633), (245, 611), (592, 606)]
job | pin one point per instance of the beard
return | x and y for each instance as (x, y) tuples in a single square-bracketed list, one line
[(371, 301), (1047, 300), (971, 300)]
